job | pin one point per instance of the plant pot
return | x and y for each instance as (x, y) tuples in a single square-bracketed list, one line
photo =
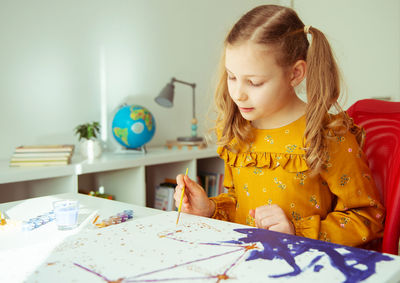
[(90, 149)]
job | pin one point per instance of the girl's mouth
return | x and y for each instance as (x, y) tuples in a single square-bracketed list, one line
[(245, 109)]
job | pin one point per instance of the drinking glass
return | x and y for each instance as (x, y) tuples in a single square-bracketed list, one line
[(66, 212)]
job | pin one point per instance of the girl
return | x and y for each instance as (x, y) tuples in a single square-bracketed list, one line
[(290, 166)]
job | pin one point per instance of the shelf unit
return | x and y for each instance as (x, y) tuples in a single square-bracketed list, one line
[(129, 177)]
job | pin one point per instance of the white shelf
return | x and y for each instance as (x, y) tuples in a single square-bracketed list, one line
[(20, 174), (129, 177), (154, 156)]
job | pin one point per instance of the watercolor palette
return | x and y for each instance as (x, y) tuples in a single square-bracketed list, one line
[(154, 249)]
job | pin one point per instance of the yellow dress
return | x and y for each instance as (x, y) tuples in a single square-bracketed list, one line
[(339, 205)]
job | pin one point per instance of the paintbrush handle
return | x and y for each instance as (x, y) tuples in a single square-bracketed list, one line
[(180, 202)]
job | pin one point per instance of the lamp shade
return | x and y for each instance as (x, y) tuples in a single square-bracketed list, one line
[(166, 96)]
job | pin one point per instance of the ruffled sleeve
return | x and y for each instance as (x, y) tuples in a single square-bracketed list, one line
[(225, 204)]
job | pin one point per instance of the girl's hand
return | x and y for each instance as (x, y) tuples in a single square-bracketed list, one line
[(272, 217), (195, 200)]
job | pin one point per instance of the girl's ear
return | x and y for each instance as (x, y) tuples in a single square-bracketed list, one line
[(298, 72)]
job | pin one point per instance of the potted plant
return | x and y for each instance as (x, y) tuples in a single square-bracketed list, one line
[(90, 146)]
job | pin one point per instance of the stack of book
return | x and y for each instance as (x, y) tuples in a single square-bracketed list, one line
[(213, 183), (185, 144), (42, 155)]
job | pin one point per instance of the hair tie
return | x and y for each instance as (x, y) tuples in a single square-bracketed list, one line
[(307, 29)]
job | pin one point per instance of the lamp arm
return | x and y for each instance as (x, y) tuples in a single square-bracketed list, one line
[(173, 80), (166, 97), (182, 82)]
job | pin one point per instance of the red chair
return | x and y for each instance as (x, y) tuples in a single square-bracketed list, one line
[(381, 121)]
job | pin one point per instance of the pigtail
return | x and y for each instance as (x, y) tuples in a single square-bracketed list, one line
[(323, 90)]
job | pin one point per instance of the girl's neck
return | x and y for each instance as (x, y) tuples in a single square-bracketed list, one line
[(290, 113)]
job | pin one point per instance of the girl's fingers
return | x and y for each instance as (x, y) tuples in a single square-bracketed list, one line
[(268, 221), (278, 228), (195, 199), (273, 218), (267, 215), (181, 182), (176, 193), (185, 199), (190, 185), (259, 213), (177, 196)]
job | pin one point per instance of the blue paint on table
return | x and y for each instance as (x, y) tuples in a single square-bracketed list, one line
[(288, 247)]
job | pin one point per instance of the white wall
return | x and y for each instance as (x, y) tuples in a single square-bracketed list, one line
[(58, 56), (365, 36)]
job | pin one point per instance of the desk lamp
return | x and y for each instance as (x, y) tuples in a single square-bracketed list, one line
[(166, 98)]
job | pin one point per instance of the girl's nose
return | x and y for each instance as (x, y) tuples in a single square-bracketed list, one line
[(240, 93)]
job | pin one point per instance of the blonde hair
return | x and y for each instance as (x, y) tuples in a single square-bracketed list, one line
[(281, 28)]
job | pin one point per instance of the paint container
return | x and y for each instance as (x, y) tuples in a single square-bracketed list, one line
[(129, 213), (116, 219), (38, 221), (66, 214)]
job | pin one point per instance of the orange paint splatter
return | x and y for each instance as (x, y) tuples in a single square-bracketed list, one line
[(251, 247), (222, 277)]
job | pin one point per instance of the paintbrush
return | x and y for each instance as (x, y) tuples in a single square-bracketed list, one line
[(180, 203)]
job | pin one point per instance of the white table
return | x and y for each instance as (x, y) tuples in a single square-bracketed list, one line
[(152, 248), (21, 252)]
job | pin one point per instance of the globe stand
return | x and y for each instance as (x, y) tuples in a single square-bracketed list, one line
[(138, 150)]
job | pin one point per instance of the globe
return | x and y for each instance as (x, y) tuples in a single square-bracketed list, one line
[(133, 126)]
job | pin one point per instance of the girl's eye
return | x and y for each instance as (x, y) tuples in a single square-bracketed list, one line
[(231, 78), (255, 84)]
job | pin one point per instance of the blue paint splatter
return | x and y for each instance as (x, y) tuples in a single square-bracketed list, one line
[(317, 268), (288, 247)]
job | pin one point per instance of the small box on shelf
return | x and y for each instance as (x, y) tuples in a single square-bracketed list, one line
[(101, 194), (98, 194)]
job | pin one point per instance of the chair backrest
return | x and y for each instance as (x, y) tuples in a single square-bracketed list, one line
[(381, 122)]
